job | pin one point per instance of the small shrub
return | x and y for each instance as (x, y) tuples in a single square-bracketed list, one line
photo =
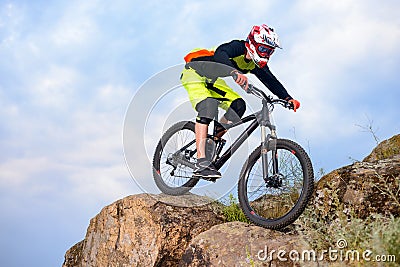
[(385, 237), (233, 212), (391, 238), (323, 228)]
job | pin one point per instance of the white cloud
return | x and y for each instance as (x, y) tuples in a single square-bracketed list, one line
[(346, 35), (16, 172), (77, 25), (55, 88), (11, 18), (102, 183), (330, 44)]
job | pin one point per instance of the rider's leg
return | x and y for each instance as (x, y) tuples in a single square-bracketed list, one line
[(202, 100), (203, 167), (236, 110), (205, 98), (201, 131), (207, 110), (232, 102), (233, 114)]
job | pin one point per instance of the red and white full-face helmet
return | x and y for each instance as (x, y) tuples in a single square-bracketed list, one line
[(261, 43)]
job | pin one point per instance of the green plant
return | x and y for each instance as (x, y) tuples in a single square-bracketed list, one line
[(384, 236), (391, 238), (387, 188), (233, 212), (249, 258)]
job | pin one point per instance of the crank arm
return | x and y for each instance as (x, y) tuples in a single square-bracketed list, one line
[(185, 163)]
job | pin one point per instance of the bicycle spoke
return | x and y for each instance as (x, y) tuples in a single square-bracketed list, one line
[(270, 202), (171, 174)]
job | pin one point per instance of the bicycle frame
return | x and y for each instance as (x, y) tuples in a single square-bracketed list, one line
[(262, 119)]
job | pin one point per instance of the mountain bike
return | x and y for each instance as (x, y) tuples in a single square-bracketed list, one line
[(276, 181)]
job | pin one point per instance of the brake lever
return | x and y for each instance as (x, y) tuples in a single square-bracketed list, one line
[(289, 105)]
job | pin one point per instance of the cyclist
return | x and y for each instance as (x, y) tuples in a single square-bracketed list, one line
[(207, 91)]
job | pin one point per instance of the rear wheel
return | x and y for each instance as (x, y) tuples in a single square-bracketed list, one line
[(279, 200), (174, 159)]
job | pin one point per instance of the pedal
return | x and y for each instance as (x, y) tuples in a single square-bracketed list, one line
[(209, 179)]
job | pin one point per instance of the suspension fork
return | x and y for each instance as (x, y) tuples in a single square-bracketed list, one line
[(268, 143), (271, 140)]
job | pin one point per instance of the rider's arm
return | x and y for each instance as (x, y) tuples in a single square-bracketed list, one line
[(270, 81), (223, 55)]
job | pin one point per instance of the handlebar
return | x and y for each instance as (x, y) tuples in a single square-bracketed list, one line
[(269, 99), (251, 89)]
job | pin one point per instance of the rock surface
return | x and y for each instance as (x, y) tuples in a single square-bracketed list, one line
[(371, 186), (241, 244), (142, 230), (385, 150)]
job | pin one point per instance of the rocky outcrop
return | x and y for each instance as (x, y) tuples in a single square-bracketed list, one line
[(160, 230), (385, 150), (363, 188), (143, 230)]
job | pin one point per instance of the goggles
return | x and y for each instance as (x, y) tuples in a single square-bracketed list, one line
[(264, 51)]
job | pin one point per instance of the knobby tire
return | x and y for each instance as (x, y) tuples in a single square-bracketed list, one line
[(260, 208), (183, 181)]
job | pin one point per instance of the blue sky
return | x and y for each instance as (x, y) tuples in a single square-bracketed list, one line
[(69, 70)]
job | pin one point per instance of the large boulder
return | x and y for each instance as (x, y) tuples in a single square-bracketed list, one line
[(241, 244), (363, 188), (144, 230), (385, 150)]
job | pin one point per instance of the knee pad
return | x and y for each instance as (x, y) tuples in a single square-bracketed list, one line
[(236, 110), (203, 120), (207, 110)]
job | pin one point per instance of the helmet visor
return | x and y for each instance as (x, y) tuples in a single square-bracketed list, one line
[(265, 51)]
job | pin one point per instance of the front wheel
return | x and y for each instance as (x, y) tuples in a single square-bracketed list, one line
[(277, 200), (174, 159)]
